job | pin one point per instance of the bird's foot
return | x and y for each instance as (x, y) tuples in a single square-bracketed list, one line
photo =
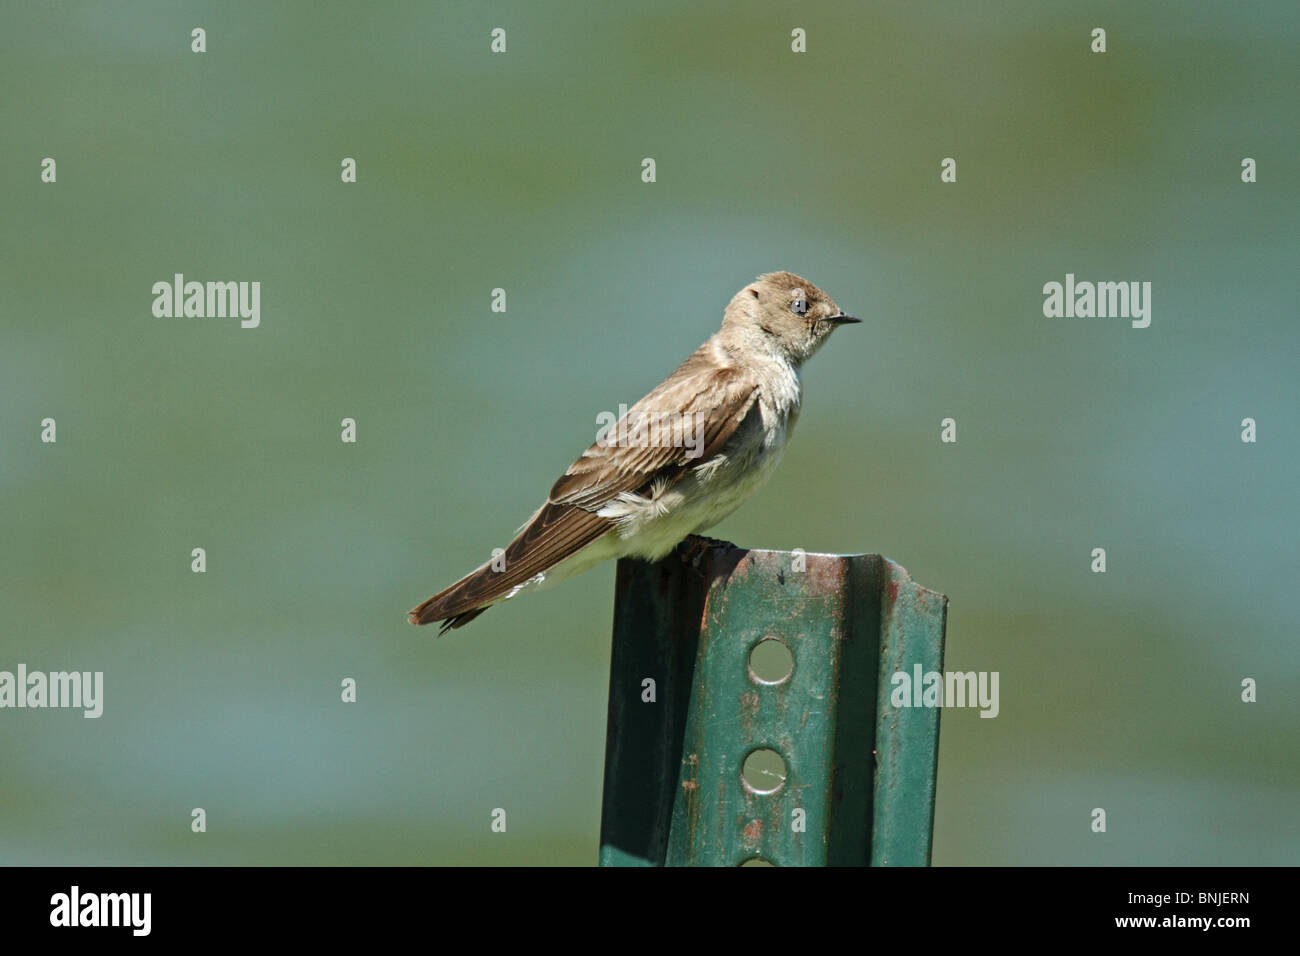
[(695, 546)]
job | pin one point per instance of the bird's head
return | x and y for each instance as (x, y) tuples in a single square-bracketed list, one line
[(783, 314)]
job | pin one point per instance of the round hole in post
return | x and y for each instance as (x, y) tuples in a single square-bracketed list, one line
[(757, 861), (763, 771), (771, 661)]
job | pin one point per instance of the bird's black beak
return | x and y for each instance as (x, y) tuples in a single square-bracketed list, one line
[(840, 318)]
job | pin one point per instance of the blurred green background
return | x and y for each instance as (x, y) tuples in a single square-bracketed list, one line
[(522, 171)]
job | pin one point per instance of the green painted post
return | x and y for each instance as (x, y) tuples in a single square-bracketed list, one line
[(686, 710)]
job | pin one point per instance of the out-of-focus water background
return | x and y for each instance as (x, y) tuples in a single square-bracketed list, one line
[(522, 171)]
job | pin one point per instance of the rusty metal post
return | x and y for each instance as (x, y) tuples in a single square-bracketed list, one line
[(686, 711)]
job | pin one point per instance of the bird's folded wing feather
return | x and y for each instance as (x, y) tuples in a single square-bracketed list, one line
[(681, 424), (611, 467)]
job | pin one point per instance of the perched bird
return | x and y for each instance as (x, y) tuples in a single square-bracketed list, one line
[(677, 462)]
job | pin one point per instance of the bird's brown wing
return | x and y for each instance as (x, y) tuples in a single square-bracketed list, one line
[(700, 404), (612, 466)]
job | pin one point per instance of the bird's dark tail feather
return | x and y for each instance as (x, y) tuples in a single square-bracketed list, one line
[(554, 533), (457, 605), (442, 607), (459, 620)]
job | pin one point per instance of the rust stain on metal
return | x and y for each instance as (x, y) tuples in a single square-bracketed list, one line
[(754, 831), (749, 707)]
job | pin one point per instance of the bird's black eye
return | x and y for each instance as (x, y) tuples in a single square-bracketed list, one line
[(799, 306)]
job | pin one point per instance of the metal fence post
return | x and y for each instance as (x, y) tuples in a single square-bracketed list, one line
[(686, 711)]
